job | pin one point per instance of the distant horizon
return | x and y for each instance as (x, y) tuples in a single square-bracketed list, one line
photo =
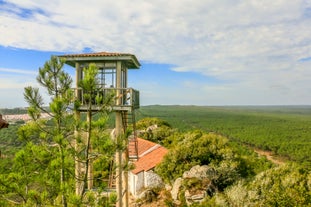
[(25, 107)]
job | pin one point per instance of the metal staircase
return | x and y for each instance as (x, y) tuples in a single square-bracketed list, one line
[(129, 125), (112, 176)]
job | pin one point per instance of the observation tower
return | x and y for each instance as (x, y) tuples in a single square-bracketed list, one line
[(112, 78)]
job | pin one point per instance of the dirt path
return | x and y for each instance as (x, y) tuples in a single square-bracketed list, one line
[(269, 156)]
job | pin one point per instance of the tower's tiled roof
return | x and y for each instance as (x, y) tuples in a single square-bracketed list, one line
[(98, 54), (130, 59)]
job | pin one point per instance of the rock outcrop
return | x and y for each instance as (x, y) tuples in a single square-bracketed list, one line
[(175, 189), (195, 185), (200, 172)]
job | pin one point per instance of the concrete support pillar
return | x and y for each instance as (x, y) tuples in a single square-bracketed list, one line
[(76, 134), (90, 178), (125, 156), (119, 131), (119, 163), (78, 93), (78, 177)]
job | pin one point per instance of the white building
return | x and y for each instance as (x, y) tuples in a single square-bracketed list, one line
[(142, 176)]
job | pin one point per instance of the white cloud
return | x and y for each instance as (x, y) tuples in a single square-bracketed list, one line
[(12, 84), (18, 71), (255, 45), (16, 81)]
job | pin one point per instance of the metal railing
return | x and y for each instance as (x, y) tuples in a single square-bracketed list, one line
[(121, 97)]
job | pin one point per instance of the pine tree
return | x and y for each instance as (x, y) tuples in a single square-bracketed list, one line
[(57, 133), (97, 108), (43, 171)]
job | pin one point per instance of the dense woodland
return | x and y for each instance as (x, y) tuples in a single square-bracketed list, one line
[(37, 165), (203, 137), (240, 178), (284, 130)]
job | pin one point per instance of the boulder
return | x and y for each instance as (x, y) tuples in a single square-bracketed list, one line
[(151, 128), (147, 196), (175, 189), (196, 197), (200, 172)]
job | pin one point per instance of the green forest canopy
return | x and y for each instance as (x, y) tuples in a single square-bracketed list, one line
[(284, 130)]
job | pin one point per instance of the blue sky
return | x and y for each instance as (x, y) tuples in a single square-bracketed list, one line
[(198, 52)]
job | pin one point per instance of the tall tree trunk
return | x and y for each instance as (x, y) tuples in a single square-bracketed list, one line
[(87, 152), (62, 177)]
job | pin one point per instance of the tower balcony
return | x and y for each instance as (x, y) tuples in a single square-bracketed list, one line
[(123, 99)]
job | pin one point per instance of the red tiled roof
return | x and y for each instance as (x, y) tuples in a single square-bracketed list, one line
[(143, 146), (150, 154), (130, 59), (97, 54)]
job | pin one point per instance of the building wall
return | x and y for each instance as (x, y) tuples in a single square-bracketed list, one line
[(132, 182), (136, 182), (142, 180)]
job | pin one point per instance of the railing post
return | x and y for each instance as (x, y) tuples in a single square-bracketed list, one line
[(131, 97)]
